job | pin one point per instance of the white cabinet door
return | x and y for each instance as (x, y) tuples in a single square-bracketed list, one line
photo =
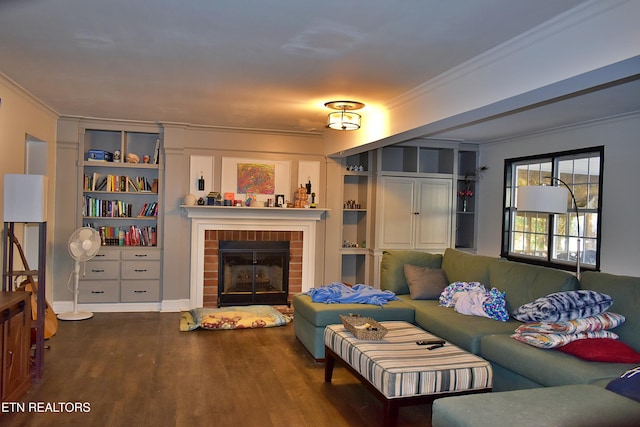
[(433, 221), (414, 213), (396, 213)]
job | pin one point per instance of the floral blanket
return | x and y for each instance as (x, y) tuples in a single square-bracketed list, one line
[(252, 316)]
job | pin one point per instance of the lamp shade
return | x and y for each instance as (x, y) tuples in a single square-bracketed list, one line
[(542, 198), (25, 198)]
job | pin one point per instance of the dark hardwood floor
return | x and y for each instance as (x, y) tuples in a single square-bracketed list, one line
[(137, 369)]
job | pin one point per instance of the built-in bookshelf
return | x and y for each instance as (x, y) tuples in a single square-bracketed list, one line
[(120, 196), (120, 186)]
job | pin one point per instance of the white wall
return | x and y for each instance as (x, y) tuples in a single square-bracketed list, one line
[(621, 193)]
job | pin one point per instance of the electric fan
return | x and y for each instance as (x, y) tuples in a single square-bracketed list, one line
[(84, 244)]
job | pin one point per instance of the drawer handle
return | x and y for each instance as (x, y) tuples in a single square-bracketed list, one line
[(140, 270), (96, 271), (139, 292), (140, 255), (97, 292), (99, 255)]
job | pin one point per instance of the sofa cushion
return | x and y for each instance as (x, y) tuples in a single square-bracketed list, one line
[(524, 283), (463, 267), (320, 314), (602, 350), (627, 385), (546, 367), (571, 405), (463, 331), (560, 306), (392, 268), (625, 292), (425, 282)]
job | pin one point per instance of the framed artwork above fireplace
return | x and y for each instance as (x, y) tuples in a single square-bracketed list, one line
[(262, 177)]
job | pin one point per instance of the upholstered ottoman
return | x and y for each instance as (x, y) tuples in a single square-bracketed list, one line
[(311, 318), (400, 372)]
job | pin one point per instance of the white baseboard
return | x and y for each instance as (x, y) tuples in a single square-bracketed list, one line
[(163, 306)]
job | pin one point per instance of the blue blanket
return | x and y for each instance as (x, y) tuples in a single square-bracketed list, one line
[(339, 293)]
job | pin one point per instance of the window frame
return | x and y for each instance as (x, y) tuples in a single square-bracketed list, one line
[(509, 211)]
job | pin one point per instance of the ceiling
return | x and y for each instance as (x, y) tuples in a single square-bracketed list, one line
[(251, 63)]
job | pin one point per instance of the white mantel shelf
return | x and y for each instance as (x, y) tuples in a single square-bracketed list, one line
[(204, 218), (308, 214)]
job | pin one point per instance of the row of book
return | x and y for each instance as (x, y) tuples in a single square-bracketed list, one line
[(120, 183), (127, 236), (95, 207)]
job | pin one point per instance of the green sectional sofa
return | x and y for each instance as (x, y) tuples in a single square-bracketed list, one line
[(516, 366)]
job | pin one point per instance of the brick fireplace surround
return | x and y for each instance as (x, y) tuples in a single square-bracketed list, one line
[(211, 238), (209, 224)]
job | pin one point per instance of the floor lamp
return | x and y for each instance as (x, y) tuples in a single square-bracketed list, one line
[(549, 199)]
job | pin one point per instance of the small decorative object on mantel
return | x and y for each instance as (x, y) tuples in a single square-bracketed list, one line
[(189, 200), (301, 198), (201, 201)]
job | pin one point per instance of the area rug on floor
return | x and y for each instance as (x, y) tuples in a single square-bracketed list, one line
[(252, 316)]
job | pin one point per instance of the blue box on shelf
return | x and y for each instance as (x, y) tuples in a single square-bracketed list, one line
[(99, 156)]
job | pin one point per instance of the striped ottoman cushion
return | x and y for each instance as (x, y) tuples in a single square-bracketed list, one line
[(398, 367)]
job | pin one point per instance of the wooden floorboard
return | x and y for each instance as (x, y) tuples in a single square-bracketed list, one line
[(139, 369)]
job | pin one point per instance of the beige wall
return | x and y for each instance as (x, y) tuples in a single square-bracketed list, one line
[(22, 115)]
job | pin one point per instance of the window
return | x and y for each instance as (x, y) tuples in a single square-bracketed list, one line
[(552, 239)]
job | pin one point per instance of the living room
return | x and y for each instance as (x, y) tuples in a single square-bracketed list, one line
[(578, 54)]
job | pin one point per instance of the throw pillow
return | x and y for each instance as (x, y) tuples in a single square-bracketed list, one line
[(425, 282), (561, 306), (598, 322), (627, 385), (602, 350), (557, 340)]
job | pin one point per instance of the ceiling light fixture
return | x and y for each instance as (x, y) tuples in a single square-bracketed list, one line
[(344, 118)]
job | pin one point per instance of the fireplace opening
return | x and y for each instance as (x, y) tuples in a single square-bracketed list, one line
[(253, 272)]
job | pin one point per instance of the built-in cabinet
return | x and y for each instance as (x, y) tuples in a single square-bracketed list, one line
[(425, 194), (120, 196), (414, 213), (127, 275)]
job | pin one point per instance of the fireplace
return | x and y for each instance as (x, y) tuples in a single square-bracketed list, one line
[(253, 272), (210, 224)]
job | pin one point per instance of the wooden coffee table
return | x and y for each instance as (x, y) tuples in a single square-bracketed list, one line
[(401, 373)]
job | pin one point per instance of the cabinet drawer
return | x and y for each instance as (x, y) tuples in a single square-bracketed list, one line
[(100, 270), (140, 290), (141, 255), (99, 291), (140, 269), (107, 255)]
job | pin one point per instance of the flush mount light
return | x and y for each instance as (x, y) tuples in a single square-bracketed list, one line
[(344, 118)]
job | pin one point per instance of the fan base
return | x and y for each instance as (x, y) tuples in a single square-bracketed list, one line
[(75, 315)]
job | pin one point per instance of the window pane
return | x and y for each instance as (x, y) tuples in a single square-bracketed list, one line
[(528, 234)]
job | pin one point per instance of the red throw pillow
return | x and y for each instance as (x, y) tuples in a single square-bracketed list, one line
[(602, 350)]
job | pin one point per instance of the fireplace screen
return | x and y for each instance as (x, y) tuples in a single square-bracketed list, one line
[(253, 272)]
